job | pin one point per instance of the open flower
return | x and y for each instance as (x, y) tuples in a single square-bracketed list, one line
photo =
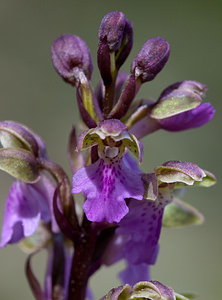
[(178, 108), (108, 181), (137, 235)]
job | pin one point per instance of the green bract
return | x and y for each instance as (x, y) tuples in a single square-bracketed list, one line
[(179, 213)]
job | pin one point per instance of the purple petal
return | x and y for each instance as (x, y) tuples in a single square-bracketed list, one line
[(142, 225), (22, 214), (136, 238), (134, 273), (25, 206), (131, 163), (106, 185), (46, 189), (189, 119)]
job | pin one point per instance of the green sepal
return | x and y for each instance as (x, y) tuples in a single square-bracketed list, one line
[(172, 176), (8, 140), (87, 139), (125, 293), (19, 163), (181, 297), (177, 103), (186, 296), (207, 181), (87, 97), (133, 146), (178, 213)]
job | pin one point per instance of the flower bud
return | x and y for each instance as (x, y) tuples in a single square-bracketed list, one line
[(71, 58), (112, 29), (151, 290), (15, 135), (151, 59), (115, 43), (121, 292), (179, 106)]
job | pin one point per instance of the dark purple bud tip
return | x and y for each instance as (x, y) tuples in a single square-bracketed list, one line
[(111, 30), (116, 38), (151, 59), (71, 58)]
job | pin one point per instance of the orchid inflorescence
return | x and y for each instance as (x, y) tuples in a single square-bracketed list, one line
[(123, 208)]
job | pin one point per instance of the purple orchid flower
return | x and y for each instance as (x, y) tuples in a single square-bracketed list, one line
[(26, 205), (137, 235), (178, 108), (108, 181)]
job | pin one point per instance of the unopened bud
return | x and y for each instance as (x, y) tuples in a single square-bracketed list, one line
[(150, 290), (151, 59), (15, 135), (115, 43), (112, 29), (71, 58)]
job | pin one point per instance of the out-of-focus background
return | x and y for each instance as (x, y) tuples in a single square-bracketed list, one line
[(32, 93)]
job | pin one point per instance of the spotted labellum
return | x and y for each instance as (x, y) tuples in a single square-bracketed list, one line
[(108, 182)]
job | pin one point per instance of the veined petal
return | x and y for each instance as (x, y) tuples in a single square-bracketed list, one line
[(22, 213), (142, 226), (25, 206), (106, 185), (136, 238)]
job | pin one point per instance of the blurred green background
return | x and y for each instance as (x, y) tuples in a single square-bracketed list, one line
[(32, 93)]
